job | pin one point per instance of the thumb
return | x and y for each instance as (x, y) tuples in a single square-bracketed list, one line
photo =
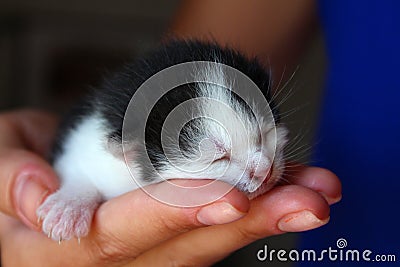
[(25, 181)]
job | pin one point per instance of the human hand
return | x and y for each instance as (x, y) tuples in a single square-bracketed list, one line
[(134, 228)]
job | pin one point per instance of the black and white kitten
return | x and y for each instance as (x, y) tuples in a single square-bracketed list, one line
[(88, 154)]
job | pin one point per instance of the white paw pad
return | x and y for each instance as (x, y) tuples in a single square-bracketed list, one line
[(64, 216)]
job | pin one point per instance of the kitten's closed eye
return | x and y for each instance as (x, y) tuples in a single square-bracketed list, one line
[(221, 158)]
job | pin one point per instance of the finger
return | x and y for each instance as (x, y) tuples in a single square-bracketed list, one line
[(25, 178), (123, 228), (319, 179), (135, 222), (25, 181), (284, 209)]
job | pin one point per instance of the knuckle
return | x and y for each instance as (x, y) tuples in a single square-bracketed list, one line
[(176, 224), (108, 249)]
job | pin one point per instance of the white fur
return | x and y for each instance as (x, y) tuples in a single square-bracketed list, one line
[(86, 158), (89, 174)]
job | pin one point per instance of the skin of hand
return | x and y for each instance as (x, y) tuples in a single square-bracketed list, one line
[(134, 229)]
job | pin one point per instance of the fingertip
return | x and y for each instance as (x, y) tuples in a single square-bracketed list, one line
[(214, 202), (28, 180), (300, 221), (319, 179), (326, 183), (289, 208), (231, 207), (29, 192), (35, 166), (238, 200), (219, 213)]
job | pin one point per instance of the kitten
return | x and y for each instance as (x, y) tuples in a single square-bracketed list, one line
[(104, 151)]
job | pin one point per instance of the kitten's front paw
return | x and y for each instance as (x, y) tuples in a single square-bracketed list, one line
[(64, 216)]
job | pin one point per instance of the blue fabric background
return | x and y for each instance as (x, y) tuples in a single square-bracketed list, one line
[(359, 136)]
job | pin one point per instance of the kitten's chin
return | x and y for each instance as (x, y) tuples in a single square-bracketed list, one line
[(269, 182)]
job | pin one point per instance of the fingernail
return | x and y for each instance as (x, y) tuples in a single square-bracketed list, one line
[(331, 200), (300, 221), (219, 213), (28, 195)]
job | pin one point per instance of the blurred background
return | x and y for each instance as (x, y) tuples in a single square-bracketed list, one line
[(51, 52)]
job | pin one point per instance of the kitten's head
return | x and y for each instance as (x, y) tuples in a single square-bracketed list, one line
[(215, 134)]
